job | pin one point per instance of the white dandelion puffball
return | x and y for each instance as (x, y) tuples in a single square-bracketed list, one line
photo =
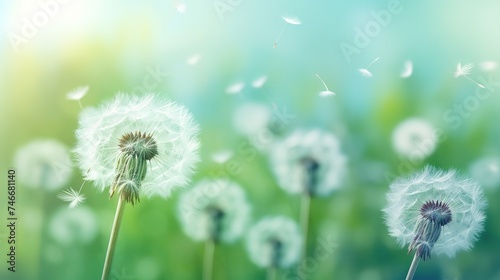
[(214, 209), (309, 161), (454, 204), (251, 118), (486, 171), (44, 164), (274, 241), (77, 225), (414, 138), (142, 144)]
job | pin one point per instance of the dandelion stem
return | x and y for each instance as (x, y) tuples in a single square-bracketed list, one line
[(112, 239), (478, 84), (271, 272), (304, 220), (376, 59), (208, 262), (413, 267), (322, 82)]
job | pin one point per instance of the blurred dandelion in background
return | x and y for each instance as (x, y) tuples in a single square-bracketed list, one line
[(414, 138), (214, 211), (274, 243), (486, 171), (309, 163), (70, 226), (434, 212), (136, 145), (43, 164), (488, 66)]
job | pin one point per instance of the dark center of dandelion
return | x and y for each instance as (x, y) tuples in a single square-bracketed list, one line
[(216, 217), (139, 144), (136, 149), (311, 167), (276, 251), (433, 216), (437, 212)]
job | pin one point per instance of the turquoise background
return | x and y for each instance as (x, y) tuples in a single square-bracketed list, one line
[(113, 46)]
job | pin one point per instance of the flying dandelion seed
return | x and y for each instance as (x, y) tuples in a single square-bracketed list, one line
[(72, 196), (365, 72), (327, 92), (181, 7), (434, 212), (288, 20), (194, 59), (235, 88), (407, 70), (223, 156), (77, 94), (464, 70), (259, 82), (488, 65)]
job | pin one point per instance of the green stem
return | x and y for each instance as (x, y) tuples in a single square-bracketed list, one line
[(305, 205), (271, 272), (112, 239), (208, 262), (413, 267)]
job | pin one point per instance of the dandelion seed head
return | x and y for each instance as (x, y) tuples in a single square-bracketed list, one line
[(309, 155), (77, 93), (72, 196), (77, 225), (44, 164), (214, 209), (274, 241), (414, 138), (156, 137), (455, 203), (486, 171), (463, 70), (291, 20)]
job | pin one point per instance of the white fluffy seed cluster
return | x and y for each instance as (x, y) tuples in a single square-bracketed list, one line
[(43, 163), (463, 196), (415, 139), (263, 235), (197, 205), (171, 126), (321, 146)]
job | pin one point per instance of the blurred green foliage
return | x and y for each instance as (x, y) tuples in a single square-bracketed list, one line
[(113, 46)]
